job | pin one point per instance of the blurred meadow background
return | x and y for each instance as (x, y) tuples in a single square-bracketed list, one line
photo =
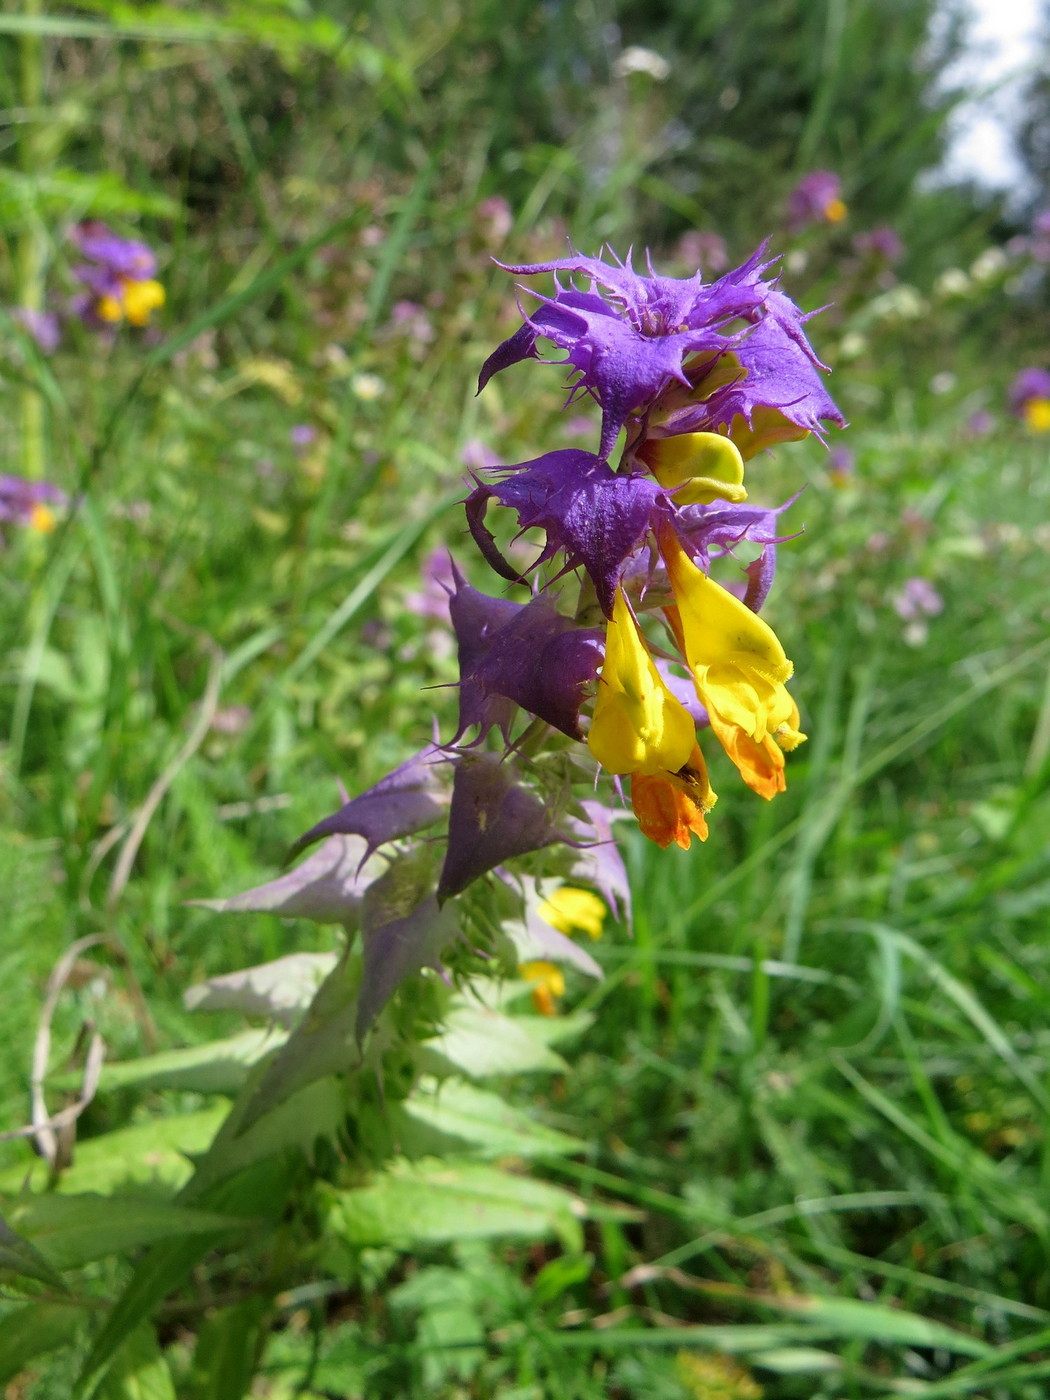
[(796, 1144)]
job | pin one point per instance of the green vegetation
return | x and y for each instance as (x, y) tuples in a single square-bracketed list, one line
[(797, 1142)]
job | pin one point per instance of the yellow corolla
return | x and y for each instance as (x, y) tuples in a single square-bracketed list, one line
[(698, 467), (137, 300), (1037, 415), (638, 725), (548, 983), (570, 910), (739, 670)]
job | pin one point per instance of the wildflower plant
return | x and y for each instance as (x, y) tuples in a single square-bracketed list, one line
[(588, 678)]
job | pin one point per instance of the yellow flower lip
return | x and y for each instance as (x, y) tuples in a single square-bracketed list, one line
[(1037, 415), (835, 211), (739, 670), (638, 725), (698, 467), (572, 910)]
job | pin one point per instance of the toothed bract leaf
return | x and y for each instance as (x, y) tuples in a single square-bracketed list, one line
[(719, 527), (412, 797), (327, 887), (542, 661), (493, 818), (476, 619), (282, 989), (595, 515), (398, 948)]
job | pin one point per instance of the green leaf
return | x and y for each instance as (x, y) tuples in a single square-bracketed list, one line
[(464, 1113), (432, 1201), (58, 194), (262, 1188), (216, 1067), (30, 1331), (22, 1259), (72, 1230), (853, 1319), (139, 1371), (798, 1361), (478, 1041), (225, 1355), (152, 1154)]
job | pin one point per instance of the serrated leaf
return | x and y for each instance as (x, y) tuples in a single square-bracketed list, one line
[(479, 1041), (431, 1202), (459, 1111), (72, 1230), (327, 887), (32, 1330)]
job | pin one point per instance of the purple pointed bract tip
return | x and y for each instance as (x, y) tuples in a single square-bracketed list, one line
[(493, 818), (409, 799)]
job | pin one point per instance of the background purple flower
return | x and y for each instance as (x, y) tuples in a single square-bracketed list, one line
[(882, 242), (43, 326), (24, 502), (816, 199), (1031, 383)]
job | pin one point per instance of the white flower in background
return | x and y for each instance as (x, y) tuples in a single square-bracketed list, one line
[(367, 387), (989, 264), (952, 282), (638, 60)]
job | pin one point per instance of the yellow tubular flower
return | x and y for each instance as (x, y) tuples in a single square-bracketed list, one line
[(570, 910), (140, 299), (42, 519), (548, 982), (1037, 415), (638, 725), (705, 467), (739, 670), (835, 211)]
